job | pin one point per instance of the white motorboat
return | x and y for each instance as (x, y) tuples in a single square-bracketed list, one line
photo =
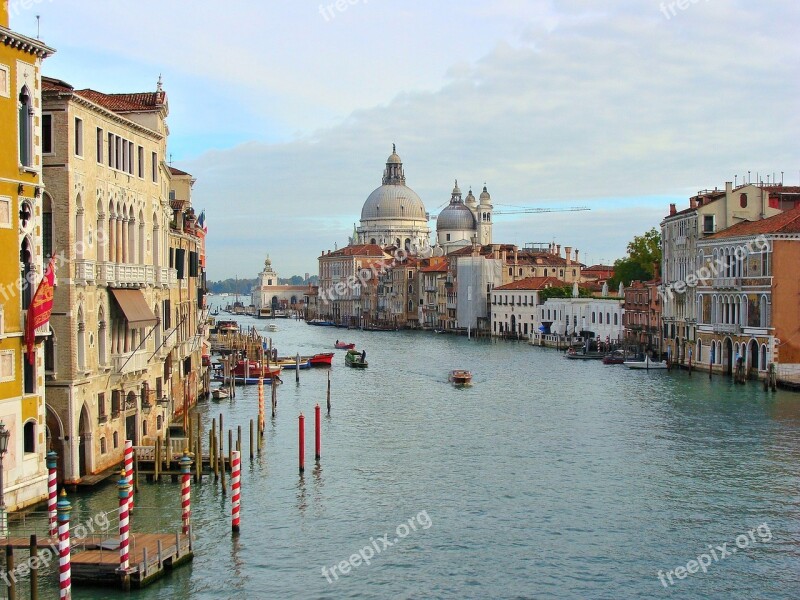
[(645, 364)]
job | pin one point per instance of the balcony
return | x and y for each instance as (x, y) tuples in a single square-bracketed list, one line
[(731, 328), (85, 271), (727, 283), (127, 275), (130, 362)]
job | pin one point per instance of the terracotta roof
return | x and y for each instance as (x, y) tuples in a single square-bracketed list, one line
[(138, 102), (357, 250), (55, 85), (440, 268), (787, 222), (533, 283)]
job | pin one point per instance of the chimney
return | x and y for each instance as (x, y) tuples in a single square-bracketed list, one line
[(568, 254), (672, 209), (728, 187), (576, 255), (693, 202), (516, 255), (558, 250)]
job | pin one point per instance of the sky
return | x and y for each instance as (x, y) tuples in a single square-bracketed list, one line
[(286, 110)]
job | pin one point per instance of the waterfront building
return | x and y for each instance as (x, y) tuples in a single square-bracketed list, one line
[(185, 330), (463, 223), (432, 287), (339, 295), (709, 212), (271, 298), (514, 309), (106, 214), (598, 318), (311, 304), (642, 318), (22, 401), (747, 300), (599, 274), (393, 214)]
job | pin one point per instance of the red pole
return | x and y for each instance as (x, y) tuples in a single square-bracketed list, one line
[(302, 441), (318, 433)]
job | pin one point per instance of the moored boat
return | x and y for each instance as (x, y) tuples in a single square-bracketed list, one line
[(617, 357), (355, 359), (323, 359), (321, 323), (290, 362), (581, 355), (460, 377), (646, 364), (256, 368), (219, 394)]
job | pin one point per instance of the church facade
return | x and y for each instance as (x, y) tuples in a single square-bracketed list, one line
[(463, 223)]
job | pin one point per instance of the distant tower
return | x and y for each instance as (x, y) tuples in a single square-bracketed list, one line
[(485, 218)]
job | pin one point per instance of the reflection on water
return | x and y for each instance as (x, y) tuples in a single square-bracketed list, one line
[(545, 479)]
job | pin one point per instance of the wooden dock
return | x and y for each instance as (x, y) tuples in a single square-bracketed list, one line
[(151, 555)]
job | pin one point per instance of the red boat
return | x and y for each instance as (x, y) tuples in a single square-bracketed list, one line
[(344, 346), (266, 371), (321, 360)]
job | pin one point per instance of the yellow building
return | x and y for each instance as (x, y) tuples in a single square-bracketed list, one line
[(22, 409)]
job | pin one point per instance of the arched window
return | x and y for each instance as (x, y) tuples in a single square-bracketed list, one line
[(29, 437), (79, 228), (601, 318), (410, 305), (763, 363), (743, 200), (26, 128), (100, 232), (699, 356), (115, 438), (81, 341), (616, 319), (102, 335), (594, 318), (27, 270), (47, 225)]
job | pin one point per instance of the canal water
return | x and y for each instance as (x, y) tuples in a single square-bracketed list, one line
[(547, 478)]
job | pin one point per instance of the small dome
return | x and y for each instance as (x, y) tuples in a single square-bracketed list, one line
[(470, 200), (394, 159), (394, 202), (456, 189), (485, 197), (455, 217)]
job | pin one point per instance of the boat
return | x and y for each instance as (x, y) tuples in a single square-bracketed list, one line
[(254, 380), (272, 327), (580, 355), (290, 362), (219, 394), (617, 357), (344, 346), (321, 323), (353, 359), (323, 359), (227, 327), (460, 377), (256, 368), (645, 364)]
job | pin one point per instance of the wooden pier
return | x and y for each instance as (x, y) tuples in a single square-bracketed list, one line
[(151, 556)]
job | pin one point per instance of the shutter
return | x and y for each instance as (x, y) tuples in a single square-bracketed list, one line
[(180, 262)]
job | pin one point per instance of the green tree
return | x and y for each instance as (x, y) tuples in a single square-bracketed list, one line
[(643, 260), (562, 292)]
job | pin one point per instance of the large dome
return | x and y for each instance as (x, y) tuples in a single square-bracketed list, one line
[(456, 217), (394, 201)]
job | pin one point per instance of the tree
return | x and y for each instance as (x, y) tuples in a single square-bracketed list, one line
[(562, 292), (643, 260)]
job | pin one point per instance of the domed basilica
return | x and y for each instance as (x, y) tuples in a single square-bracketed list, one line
[(394, 215)]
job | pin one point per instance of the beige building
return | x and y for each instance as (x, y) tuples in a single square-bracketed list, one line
[(185, 315), (105, 211)]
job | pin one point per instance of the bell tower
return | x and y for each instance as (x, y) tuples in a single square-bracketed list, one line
[(484, 214)]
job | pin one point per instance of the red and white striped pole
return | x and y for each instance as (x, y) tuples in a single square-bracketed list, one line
[(64, 569), (52, 492), (236, 492), (129, 472), (124, 526), (186, 493)]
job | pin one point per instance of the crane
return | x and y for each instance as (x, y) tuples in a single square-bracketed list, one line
[(529, 210)]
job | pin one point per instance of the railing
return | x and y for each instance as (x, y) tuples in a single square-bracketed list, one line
[(130, 362), (733, 328), (109, 273), (733, 283), (84, 272)]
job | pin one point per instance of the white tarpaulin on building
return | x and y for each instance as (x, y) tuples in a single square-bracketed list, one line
[(476, 276)]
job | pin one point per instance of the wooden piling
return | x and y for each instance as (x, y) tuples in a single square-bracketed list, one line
[(198, 477), (230, 446), (239, 438), (297, 368), (329, 392), (11, 580), (135, 471), (251, 440), (221, 453), (34, 564), (168, 452), (157, 460)]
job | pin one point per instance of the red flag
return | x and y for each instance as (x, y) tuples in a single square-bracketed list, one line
[(40, 308)]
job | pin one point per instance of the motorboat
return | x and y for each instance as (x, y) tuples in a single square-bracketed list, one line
[(344, 346), (219, 394), (645, 364), (272, 327), (460, 377), (617, 357), (355, 360)]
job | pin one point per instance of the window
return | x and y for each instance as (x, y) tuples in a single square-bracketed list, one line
[(47, 134), (140, 152), (29, 437), (448, 237), (708, 223), (101, 405), (25, 128), (5, 212), (743, 200), (100, 145), (103, 446), (6, 365), (115, 406), (116, 439), (130, 158), (144, 428), (112, 151), (4, 82), (78, 137), (154, 165)]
